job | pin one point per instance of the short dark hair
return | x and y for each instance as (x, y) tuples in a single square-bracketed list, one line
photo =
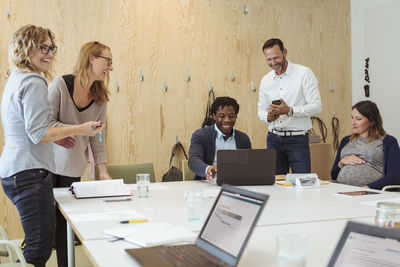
[(370, 110), (272, 42), (223, 101)]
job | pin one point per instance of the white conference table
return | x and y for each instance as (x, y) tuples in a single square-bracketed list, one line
[(286, 207), (260, 251)]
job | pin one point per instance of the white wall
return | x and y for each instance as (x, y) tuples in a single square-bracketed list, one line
[(375, 34)]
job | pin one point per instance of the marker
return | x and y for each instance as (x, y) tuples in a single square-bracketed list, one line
[(134, 221), (100, 136)]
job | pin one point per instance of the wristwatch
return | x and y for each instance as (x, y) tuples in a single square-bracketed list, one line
[(290, 113)]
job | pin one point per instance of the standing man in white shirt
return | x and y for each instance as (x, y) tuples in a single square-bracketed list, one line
[(288, 97)]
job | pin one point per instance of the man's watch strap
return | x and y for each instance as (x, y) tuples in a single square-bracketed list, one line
[(290, 113)]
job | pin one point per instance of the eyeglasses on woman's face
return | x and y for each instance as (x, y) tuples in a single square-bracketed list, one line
[(109, 60), (45, 49)]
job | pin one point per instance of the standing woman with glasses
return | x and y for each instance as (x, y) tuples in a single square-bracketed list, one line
[(75, 98), (27, 160)]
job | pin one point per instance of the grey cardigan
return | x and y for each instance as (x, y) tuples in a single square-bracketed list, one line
[(25, 116), (73, 162)]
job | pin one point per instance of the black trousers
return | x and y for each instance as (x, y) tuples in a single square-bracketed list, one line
[(61, 223)]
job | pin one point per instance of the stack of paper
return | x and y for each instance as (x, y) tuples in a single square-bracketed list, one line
[(152, 234), (103, 188)]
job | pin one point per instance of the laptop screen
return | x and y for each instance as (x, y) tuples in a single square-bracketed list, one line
[(231, 221), (368, 250)]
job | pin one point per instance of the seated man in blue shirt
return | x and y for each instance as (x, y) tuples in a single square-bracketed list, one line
[(205, 142)]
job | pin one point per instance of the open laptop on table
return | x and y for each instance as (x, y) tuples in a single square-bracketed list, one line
[(246, 167), (222, 239), (367, 245)]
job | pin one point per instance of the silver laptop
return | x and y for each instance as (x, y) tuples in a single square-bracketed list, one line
[(367, 245), (246, 167), (222, 239)]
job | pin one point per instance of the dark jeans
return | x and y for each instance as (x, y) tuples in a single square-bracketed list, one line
[(61, 223), (31, 191), (291, 151)]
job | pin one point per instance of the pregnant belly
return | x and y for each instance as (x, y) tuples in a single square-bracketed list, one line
[(358, 175)]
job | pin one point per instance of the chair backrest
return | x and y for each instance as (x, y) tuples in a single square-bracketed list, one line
[(10, 245), (128, 172), (188, 175)]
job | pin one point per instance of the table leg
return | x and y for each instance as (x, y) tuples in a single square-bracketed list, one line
[(70, 246)]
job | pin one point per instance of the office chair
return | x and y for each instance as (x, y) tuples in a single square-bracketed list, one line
[(11, 246), (392, 188), (5, 251), (188, 175), (128, 172)]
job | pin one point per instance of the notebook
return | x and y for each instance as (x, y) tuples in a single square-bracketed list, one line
[(222, 239), (246, 167), (367, 245)]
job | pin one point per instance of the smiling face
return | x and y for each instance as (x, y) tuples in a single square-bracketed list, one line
[(225, 119), (42, 62), (101, 65), (276, 59), (360, 123)]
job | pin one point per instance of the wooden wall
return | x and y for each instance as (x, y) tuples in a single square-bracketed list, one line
[(207, 39)]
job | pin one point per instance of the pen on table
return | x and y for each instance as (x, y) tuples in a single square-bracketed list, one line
[(134, 221)]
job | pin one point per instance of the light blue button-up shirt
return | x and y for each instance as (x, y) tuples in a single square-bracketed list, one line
[(220, 143)]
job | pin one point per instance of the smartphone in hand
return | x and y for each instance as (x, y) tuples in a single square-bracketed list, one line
[(276, 102)]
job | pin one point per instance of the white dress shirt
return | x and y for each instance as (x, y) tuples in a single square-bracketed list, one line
[(298, 87)]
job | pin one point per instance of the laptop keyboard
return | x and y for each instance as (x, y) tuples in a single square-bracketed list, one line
[(189, 255)]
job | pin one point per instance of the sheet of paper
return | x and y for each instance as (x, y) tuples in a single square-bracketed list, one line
[(107, 216), (152, 234)]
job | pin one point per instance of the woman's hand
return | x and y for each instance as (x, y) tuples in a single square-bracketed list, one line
[(91, 128), (350, 160), (67, 142)]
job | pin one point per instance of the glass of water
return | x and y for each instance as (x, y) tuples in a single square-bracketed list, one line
[(143, 183), (292, 250), (194, 204)]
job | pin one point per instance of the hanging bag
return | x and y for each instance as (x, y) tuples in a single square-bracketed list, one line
[(174, 174), (208, 120)]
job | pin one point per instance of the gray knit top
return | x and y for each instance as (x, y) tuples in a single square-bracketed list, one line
[(362, 174), (73, 162)]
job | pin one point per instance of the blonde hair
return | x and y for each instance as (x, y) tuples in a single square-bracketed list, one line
[(99, 89), (22, 46)]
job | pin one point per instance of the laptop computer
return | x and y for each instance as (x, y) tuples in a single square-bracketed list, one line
[(246, 167), (367, 245), (222, 238)]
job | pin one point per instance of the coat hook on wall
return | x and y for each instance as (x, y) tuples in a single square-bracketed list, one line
[(232, 76), (245, 9), (165, 87), (187, 77), (211, 88), (8, 11), (116, 86), (252, 86), (141, 77)]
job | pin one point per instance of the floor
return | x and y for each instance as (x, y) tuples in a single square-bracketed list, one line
[(81, 260)]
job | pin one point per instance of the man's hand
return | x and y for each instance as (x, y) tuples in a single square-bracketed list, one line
[(350, 160), (281, 109), (211, 171), (272, 116), (67, 142)]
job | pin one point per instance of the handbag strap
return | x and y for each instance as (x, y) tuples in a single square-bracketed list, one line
[(176, 145)]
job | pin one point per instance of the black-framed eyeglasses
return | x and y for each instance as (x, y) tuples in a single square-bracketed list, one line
[(46, 49), (109, 60)]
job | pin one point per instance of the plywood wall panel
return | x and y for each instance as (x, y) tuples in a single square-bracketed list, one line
[(206, 39)]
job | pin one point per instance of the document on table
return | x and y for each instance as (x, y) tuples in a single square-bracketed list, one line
[(107, 216), (103, 188), (152, 234)]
